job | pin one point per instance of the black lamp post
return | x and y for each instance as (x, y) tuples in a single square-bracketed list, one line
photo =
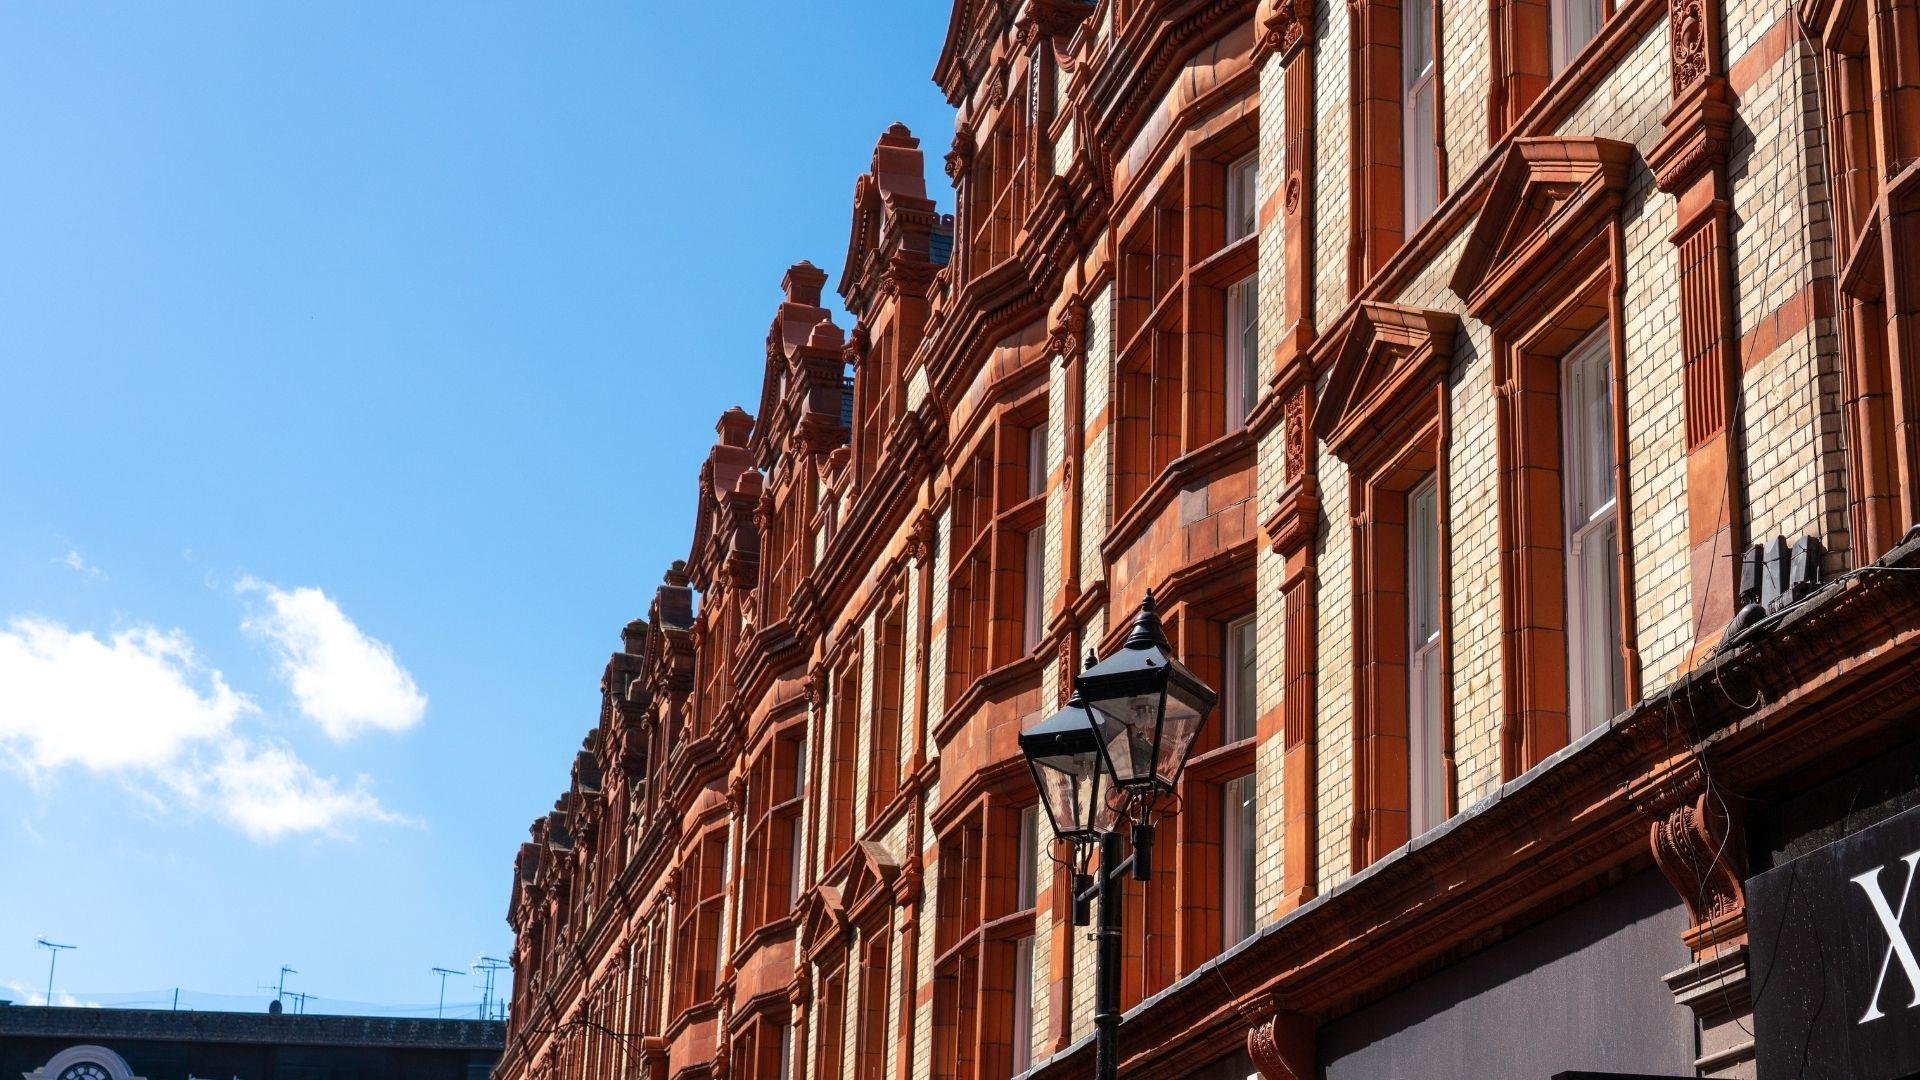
[(1120, 742)]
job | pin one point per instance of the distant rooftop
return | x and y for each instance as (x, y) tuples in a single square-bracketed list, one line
[(284, 1029)]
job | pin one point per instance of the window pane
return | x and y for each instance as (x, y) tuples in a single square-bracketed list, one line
[(795, 849), (1574, 23), (1601, 680), (1423, 563), (1239, 718), (1241, 178), (1424, 715), (1243, 363), (1035, 586), (1037, 460), (1422, 168), (1236, 859), (1024, 887), (1417, 39), (1023, 1004), (1595, 677)]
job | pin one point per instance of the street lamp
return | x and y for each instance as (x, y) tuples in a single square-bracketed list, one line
[(1064, 755), (1146, 708), (1121, 740)]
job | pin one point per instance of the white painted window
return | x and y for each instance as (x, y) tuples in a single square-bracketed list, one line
[(1243, 355), (1425, 715), (1238, 718), (1024, 883), (1420, 85), (1595, 681), (1036, 584), (1236, 859), (1037, 460), (1023, 1004), (1571, 24), (1242, 186)]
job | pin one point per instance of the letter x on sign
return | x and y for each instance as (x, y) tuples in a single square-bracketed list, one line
[(1897, 943)]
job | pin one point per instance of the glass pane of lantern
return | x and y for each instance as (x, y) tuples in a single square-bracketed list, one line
[(1125, 726), (1068, 786), (1177, 731)]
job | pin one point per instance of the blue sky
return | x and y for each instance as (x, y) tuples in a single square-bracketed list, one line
[(355, 362)]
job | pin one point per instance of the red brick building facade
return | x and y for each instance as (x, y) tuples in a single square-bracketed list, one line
[(1510, 408)]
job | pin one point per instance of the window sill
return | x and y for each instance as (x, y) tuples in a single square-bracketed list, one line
[(963, 707), (1230, 451)]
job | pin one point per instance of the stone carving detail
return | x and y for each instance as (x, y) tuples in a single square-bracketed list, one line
[(1285, 25), (1688, 33), (1279, 1042), (1698, 847), (1296, 435), (1067, 336), (960, 155), (1065, 662)]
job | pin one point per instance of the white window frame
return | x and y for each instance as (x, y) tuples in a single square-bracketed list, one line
[(1591, 535), (1239, 714), (1426, 702), (1243, 194), (1238, 854), (1243, 351), (1419, 80)]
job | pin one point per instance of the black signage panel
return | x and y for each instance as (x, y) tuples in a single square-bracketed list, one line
[(1835, 938)]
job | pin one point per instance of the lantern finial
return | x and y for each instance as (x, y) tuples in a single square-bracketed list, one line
[(1147, 631)]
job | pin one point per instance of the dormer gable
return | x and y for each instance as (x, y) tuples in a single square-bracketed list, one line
[(897, 240), (721, 486)]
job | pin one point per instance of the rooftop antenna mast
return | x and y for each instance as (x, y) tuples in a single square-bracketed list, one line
[(54, 949), (489, 966), (441, 1012), (299, 1000)]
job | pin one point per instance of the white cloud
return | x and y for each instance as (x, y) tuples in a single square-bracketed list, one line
[(29, 995), (267, 792), (142, 707), (81, 566), (136, 699), (342, 679)]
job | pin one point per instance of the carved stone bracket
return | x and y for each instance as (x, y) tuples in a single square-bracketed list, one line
[(1699, 846), (960, 155), (1280, 1042), (1284, 26), (1067, 337)]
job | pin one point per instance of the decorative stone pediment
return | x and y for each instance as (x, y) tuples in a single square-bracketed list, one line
[(824, 921), (1386, 357), (1548, 196)]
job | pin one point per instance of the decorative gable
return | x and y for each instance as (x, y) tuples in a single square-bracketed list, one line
[(1549, 197), (1386, 359)]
